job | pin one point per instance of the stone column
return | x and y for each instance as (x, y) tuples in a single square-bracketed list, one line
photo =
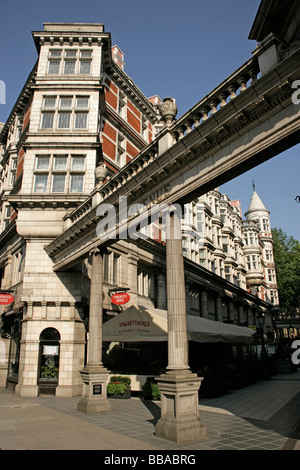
[(241, 314), (180, 420), (231, 311), (219, 308), (204, 304), (94, 375)]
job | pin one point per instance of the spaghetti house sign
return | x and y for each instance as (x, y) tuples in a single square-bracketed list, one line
[(6, 299), (134, 326)]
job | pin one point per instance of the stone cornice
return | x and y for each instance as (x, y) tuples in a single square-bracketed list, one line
[(47, 201), (21, 103), (53, 141), (130, 88)]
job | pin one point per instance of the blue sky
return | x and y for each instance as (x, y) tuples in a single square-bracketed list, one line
[(172, 48)]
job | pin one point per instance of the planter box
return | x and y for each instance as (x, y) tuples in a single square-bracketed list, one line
[(125, 396)]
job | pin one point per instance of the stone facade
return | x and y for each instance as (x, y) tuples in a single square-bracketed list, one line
[(79, 113)]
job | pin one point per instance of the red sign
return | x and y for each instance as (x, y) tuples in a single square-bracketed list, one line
[(6, 299), (120, 299)]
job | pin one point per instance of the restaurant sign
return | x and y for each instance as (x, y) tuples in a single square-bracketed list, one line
[(120, 298), (6, 299)]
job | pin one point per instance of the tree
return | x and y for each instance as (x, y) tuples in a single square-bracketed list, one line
[(287, 262)]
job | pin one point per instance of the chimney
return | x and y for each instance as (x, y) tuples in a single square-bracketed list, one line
[(118, 56)]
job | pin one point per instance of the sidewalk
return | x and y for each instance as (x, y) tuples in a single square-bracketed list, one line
[(265, 415)]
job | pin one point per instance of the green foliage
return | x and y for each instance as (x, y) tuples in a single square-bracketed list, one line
[(116, 388), (118, 385), (49, 370), (151, 390), (287, 262)]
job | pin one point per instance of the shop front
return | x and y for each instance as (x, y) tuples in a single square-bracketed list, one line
[(11, 331)]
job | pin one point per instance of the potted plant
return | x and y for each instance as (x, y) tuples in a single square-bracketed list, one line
[(119, 387), (151, 390), (49, 370)]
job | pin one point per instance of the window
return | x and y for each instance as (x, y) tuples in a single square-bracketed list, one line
[(265, 225), (225, 244), (81, 121), (47, 120), (85, 62), (76, 184), (54, 61), (271, 275), (54, 67), (70, 61), (40, 185), (7, 214), (58, 183), (48, 112), (78, 163), (60, 163), (66, 102), (42, 163), (64, 120), (65, 112), (111, 268), (65, 173), (82, 104), (269, 255)]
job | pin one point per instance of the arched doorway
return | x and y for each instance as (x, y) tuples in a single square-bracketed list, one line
[(48, 361)]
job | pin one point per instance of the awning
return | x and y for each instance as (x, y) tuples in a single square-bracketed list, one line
[(139, 324)]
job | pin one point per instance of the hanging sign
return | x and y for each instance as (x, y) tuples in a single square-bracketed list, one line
[(120, 298), (6, 299)]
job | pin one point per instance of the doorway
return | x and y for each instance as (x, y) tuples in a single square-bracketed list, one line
[(48, 369)]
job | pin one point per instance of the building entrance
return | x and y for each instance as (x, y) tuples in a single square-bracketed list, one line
[(48, 361)]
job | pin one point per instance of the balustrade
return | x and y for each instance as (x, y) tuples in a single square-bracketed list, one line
[(236, 84)]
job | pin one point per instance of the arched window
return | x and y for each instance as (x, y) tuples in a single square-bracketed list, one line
[(50, 334)]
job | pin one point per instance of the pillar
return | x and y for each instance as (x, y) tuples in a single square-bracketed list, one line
[(231, 311), (241, 319), (180, 420), (219, 308), (204, 304), (94, 374)]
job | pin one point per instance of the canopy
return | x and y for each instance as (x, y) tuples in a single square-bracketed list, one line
[(138, 324)]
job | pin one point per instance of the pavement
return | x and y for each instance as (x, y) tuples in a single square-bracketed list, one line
[(263, 416)]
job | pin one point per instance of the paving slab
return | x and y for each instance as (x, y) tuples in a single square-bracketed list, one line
[(263, 416)]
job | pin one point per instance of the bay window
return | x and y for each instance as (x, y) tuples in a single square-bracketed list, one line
[(59, 174), (65, 112)]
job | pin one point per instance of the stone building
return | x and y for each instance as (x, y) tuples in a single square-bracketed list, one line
[(78, 119)]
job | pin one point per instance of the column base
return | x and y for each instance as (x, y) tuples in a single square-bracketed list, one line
[(180, 420), (27, 391), (94, 398)]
